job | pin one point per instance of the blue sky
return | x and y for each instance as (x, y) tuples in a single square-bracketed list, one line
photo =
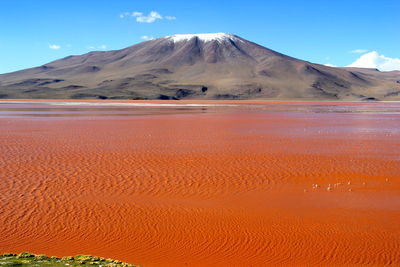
[(34, 32)]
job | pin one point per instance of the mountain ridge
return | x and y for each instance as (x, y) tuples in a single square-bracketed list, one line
[(198, 66)]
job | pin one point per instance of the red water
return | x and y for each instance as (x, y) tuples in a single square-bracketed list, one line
[(225, 185)]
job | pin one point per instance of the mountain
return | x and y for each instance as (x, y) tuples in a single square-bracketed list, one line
[(198, 66)]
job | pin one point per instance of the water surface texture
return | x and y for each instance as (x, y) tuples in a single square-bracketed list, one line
[(202, 183)]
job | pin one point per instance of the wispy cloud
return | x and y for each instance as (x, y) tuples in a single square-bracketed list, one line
[(149, 18), (359, 51), (54, 46), (123, 15), (97, 47), (145, 37), (375, 60), (137, 14)]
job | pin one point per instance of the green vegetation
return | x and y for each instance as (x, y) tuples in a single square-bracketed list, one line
[(28, 259)]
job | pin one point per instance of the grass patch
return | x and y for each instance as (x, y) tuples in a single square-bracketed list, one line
[(29, 259)]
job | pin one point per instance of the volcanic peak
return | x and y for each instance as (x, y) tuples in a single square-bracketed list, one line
[(205, 37)]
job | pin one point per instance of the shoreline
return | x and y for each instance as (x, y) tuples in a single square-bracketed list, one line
[(26, 258)]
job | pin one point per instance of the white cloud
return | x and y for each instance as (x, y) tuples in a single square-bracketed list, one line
[(359, 51), (137, 14), (123, 15), (375, 60), (330, 65), (153, 16), (150, 18), (145, 37), (54, 46), (97, 47)]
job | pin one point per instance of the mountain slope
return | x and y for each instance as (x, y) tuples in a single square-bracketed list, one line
[(202, 66)]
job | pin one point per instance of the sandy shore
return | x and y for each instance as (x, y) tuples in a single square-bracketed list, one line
[(283, 183)]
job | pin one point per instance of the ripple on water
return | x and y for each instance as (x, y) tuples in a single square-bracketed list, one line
[(221, 188)]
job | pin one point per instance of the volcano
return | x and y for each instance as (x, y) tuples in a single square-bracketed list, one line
[(196, 66)]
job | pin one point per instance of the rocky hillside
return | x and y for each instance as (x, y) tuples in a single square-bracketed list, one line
[(199, 66)]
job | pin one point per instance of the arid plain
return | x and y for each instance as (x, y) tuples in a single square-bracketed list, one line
[(202, 183)]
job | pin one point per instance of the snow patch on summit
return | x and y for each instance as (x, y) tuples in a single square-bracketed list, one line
[(206, 37)]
